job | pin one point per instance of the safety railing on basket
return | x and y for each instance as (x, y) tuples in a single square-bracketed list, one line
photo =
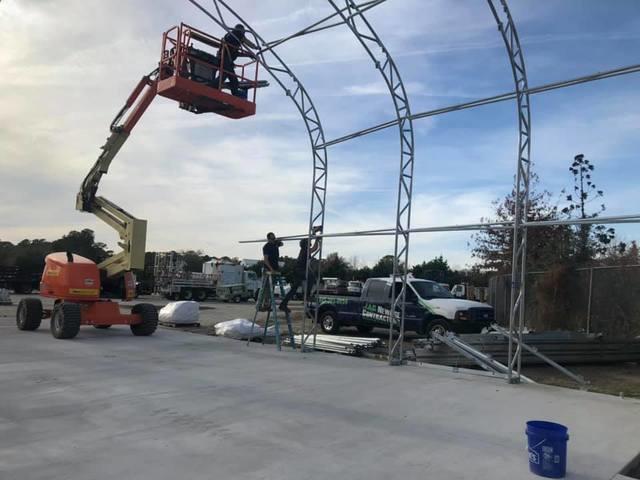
[(184, 54)]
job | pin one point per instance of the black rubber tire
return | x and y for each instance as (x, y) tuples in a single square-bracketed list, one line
[(329, 322), (149, 315), (237, 299), (102, 327), (174, 296), (29, 314), (186, 294), (364, 329), (439, 325), (199, 295), (65, 320)]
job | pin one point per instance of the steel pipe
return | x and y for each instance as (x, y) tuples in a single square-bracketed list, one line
[(490, 100)]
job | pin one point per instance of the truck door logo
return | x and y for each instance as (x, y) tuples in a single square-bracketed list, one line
[(376, 313)]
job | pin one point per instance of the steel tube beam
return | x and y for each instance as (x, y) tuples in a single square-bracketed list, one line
[(467, 227), (318, 27), (490, 100)]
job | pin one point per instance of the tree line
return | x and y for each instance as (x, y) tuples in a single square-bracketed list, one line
[(28, 255)]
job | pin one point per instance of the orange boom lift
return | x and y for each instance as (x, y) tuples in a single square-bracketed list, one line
[(190, 72)]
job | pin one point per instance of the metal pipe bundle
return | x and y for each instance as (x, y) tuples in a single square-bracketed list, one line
[(340, 344)]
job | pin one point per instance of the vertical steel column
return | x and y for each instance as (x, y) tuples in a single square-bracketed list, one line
[(509, 34), (294, 89), (383, 61)]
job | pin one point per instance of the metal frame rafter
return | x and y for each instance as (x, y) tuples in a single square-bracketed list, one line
[(383, 61), (296, 91), (507, 29)]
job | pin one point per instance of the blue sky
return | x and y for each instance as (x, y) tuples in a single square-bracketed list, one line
[(205, 182)]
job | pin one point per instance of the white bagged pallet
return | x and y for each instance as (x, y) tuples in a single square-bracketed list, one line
[(240, 329), (180, 312)]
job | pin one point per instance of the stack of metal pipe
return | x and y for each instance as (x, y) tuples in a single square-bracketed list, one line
[(339, 344)]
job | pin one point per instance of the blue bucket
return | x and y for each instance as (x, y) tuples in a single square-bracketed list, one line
[(547, 448)]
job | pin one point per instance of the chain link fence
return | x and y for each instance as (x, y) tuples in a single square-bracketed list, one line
[(602, 299)]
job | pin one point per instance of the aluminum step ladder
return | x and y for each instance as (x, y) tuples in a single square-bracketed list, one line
[(267, 303)]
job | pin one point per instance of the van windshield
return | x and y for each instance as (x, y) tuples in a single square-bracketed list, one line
[(428, 290)]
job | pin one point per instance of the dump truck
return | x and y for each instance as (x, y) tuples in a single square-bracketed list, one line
[(222, 281)]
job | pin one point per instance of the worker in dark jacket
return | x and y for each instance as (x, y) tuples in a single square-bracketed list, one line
[(271, 253), (230, 50), (301, 270)]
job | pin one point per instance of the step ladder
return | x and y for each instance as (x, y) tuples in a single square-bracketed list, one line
[(266, 302)]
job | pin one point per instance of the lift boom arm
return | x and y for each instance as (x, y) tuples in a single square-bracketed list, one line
[(132, 231)]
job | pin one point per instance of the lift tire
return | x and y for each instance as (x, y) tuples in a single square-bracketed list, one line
[(102, 327), (149, 315), (329, 322), (439, 325), (65, 320), (199, 295), (364, 329), (29, 314)]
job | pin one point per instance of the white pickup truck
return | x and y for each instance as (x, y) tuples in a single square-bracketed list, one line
[(429, 307)]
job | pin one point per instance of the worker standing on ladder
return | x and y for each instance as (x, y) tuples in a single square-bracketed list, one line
[(229, 52), (301, 270), (271, 254)]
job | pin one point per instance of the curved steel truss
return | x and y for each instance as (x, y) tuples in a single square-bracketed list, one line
[(296, 91), (509, 34), (352, 15), (354, 18)]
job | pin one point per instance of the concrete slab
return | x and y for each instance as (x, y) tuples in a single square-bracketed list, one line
[(176, 405)]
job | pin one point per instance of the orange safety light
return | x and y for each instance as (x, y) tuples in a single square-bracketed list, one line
[(192, 73)]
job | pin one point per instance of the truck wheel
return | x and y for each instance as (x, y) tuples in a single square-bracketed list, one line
[(439, 326), (149, 315), (102, 327), (65, 320), (364, 329), (29, 314), (329, 323), (175, 296), (186, 294), (237, 299), (200, 295)]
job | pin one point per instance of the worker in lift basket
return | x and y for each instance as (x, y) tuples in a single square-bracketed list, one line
[(301, 270), (229, 52)]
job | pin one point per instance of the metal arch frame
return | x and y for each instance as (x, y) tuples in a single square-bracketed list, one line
[(520, 224), (368, 38), (509, 34), (282, 74)]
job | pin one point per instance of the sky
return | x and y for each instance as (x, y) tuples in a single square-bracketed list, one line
[(205, 182)]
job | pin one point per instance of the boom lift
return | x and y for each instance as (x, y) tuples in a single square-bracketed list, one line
[(192, 76)]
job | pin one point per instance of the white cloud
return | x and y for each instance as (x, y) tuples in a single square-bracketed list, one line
[(207, 182)]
